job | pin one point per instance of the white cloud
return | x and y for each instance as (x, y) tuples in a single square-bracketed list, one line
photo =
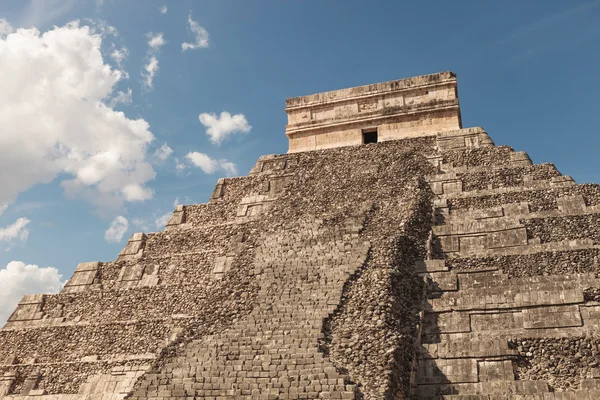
[(163, 9), (203, 161), (199, 32), (120, 55), (155, 42), (57, 119), (219, 128), (116, 230), (137, 193), (229, 167), (179, 166), (19, 279), (16, 232), (5, 27), (122, 98), (151, 70), (163, 152), (3, 208), (210, 165)]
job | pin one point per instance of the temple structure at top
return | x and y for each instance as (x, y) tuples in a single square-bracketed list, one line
[(379, 112)]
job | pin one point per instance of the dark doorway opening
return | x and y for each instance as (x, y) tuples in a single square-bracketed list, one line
[(370, 136)]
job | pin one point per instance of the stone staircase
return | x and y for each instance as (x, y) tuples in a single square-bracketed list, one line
[(514, 256)]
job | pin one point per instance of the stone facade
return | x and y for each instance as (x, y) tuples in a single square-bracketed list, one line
[(397, 109), (432, 266)]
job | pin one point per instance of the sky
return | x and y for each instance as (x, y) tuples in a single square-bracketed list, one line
[(113, 112)]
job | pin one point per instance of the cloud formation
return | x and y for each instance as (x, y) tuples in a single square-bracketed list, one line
[(151, 69), (19, 279), (16, 232), (5, 27), (122, 98), (118, 227), (219, 128), (200, 34), (57, 119), (163, 152), (163, 9), (155, 42), (120, 55), (210, 165)]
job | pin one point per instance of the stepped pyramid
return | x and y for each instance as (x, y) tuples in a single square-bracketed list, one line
[(390, 254)]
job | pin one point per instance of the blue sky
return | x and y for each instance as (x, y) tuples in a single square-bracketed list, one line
[(527, 72)]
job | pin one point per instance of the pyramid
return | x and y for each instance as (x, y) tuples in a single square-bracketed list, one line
[(389, 254)]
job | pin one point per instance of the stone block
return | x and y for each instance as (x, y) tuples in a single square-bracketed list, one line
[(552, 317), (571, 204), (496, 371), (134, 248), (222, 265), (86, 275), (28, 309), (219, 190)]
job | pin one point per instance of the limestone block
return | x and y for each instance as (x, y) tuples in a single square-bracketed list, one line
[(446, 322), (496, 371), (31, 382), (449, 244), (131, 272), (443, 281), (520, 158), (436, 371), (552, 317), (253, 206), (590, 314), (507, 238), (177, 218), (467, 138), (471, 243), (222, 265), (452, 187), (86, 275), (571, 204), (6, 382), (28, 309), (496, 322), (516, 209), (218, 192), (134, 248), (423, 266)]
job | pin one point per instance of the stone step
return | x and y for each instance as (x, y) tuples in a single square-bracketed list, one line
[(539, 199), (559, 182), (486, 178), (494, 389), (463, 139), (570, 395), (482, 156)]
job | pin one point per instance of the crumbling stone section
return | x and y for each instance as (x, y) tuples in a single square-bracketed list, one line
[(568, 363)]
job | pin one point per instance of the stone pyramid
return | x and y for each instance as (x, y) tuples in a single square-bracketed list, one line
[(390, 254)]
